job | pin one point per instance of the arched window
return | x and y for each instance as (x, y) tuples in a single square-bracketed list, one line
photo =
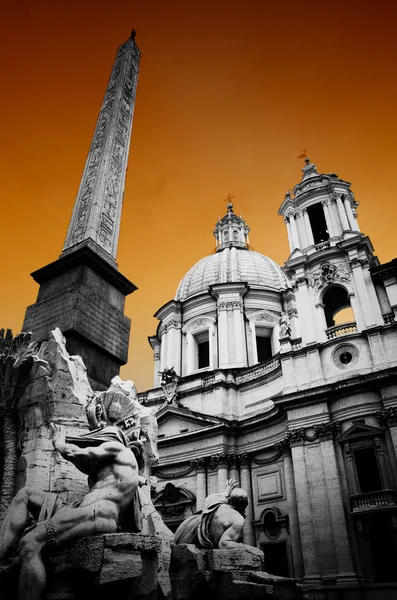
[(337, 307), (174, 504)]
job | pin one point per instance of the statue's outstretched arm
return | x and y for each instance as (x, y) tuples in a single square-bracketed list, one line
[(82, 458), (230, 485)]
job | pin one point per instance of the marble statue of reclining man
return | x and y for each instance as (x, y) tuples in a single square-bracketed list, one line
[(113, 478), (220, 523)]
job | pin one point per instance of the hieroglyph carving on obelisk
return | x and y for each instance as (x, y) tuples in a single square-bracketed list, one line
[(97, 211)]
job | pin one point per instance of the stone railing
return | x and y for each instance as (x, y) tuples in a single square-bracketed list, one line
[(339, 330), (322, 245), (258, 370), (142, 397), (373, 500), (206, 381), (296, 344), (388, 319)]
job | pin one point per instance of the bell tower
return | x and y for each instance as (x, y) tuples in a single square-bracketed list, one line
[(330, 261), (83, 293)]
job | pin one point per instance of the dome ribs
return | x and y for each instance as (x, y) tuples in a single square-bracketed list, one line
[(232, 265)]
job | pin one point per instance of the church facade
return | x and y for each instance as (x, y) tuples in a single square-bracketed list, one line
[(285, 380)]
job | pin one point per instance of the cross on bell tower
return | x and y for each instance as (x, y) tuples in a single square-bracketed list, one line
[(83, 293)]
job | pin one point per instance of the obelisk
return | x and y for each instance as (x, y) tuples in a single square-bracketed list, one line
[(83, 292)]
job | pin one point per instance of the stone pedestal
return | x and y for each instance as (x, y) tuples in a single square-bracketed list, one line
[(232, 574), (83, 294)]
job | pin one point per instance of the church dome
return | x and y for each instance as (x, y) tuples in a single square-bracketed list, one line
[(229, 265)]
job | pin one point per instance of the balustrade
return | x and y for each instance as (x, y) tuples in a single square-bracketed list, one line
[(339, 330)]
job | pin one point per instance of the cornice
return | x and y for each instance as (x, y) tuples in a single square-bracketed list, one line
[(171, 307), (89, 255), (234, 457), (332, 391)]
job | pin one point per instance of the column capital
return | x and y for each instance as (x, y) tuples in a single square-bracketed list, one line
[(355, 262), (244, 459), (223, 459), (234, 460), (301, 281), (198, 464), (387, 417)]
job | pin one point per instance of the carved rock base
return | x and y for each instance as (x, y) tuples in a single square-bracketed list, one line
[(225, 575), (119, 565)]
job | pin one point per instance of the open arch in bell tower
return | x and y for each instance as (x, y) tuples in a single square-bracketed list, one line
[(337, 307)]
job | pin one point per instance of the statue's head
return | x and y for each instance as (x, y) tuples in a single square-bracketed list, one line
[(238, 499), (114, 412)]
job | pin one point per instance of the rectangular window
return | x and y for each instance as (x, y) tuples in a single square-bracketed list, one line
[(367, 470), (318, 223), (203, 349), (263, 344)]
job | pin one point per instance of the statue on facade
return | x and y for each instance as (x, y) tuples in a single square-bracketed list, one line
[(113, 478), (169, 383), (220, 523), (285, 326)]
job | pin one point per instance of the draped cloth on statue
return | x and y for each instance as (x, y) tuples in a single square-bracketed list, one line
[(196, 529), (96, 437)]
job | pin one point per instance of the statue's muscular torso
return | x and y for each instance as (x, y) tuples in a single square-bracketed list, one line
[(113, 479)]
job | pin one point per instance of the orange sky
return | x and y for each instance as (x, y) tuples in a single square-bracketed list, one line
[(229, 94)]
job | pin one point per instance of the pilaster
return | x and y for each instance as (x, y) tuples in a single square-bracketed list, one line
[(301, 227), (308, 227), (232, 342), (303, 301), (328, 219), (246, 484), (289, 233), (294, 231), (223, 335), (222, 461), (352, 221), (363, 295), (306, 524), (342, 213), (344, 560), (201, 483), (296, 547)]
